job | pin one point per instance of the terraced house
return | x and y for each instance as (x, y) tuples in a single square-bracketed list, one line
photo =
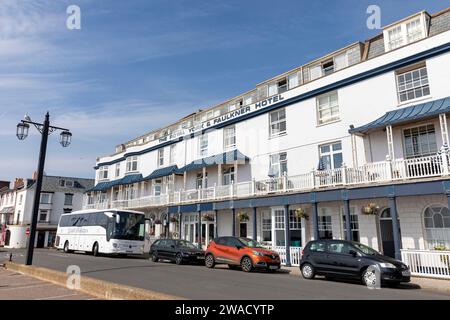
[(352, 145)]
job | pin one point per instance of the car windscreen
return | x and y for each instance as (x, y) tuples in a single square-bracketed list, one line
[(129, 226), (251, 243), (365, 249)]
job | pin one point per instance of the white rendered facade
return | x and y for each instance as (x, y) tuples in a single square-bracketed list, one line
[(296, 139), (58, 195)]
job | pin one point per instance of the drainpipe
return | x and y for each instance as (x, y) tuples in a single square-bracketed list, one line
[(233, 233), (287, 235), (255, 224), (315, 217), (395, 223)]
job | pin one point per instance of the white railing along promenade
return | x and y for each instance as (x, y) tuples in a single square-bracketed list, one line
[(376, 172), (428, 263)]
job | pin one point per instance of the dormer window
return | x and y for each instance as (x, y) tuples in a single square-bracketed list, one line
[(405, 32), (328, 67), (395, 38), (103, 173), (65, 183), (277, 87)]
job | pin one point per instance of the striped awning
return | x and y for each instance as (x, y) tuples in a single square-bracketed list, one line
[(128, 179), (162, 172), (412, 113), (224, 158)]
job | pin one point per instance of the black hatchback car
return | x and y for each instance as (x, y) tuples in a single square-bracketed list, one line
[(339, 258), (179, 251)]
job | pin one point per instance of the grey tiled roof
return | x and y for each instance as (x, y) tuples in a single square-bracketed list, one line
[(51, 184)]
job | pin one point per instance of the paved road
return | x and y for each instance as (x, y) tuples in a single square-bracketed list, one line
[(198, 282)]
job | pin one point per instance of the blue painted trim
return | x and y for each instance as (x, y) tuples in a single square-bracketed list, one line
[(404, 189), (336, 85)]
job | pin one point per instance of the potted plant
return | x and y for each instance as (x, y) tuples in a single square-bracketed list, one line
[(301, 213), (243, 216), (444, 258), (370, 209)]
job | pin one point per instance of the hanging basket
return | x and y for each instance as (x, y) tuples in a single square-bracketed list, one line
[(243, 216), (370, 209), (173, 219), (301, 213), (157, 221)]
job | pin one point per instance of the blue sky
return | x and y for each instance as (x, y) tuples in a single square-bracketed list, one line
[(141, 64)]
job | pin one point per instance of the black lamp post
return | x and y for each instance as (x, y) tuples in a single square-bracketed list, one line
[(45, 129)]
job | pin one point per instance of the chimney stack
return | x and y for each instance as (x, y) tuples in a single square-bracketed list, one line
[(18, 183)]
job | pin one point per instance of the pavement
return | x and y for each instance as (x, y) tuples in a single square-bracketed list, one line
[(16, 286), (198, 282)]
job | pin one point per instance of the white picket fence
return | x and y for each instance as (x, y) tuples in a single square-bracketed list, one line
[(296, 254), (428, 263)]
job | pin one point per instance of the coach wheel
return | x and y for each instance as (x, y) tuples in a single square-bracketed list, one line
[(95, 250), (66, 247)]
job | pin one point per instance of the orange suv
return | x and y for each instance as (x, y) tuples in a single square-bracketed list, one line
[(244, 252)]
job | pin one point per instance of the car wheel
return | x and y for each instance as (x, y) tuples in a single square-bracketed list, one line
[(95, 249), (209, 261), (308, 271), (178, 259), (369, 277), (66, 247), (155, 257), (246, 264)]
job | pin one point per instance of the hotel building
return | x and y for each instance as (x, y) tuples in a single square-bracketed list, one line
[(353, 145)]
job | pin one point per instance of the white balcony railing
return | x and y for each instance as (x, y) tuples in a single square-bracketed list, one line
[(376, 172), (428, 263)]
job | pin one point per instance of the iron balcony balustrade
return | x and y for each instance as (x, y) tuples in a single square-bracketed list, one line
[(375, 172)]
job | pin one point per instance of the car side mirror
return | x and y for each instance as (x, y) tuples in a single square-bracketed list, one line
[(353, 253), (172, 246), (239, 247)]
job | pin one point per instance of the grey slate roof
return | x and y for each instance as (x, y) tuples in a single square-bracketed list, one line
[(51, 184)]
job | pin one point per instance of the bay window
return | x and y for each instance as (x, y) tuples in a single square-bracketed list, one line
[(278, 164), (412, 84), (330, 156), (203, 145), (420, 141), (229, 137), (103, 173), (161, 157), (277, 123), (327, 108), (132, 164)]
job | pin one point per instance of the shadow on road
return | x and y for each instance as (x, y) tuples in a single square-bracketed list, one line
[(404, 286)]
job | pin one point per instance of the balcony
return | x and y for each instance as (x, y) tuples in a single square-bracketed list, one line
[(376, 172)]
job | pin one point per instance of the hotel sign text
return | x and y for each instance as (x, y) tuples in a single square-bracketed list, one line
[(224, 118)]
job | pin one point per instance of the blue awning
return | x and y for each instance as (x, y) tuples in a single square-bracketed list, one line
[(101, 186), (415, 112), (223, 158), (129, 179), (162, 172)]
